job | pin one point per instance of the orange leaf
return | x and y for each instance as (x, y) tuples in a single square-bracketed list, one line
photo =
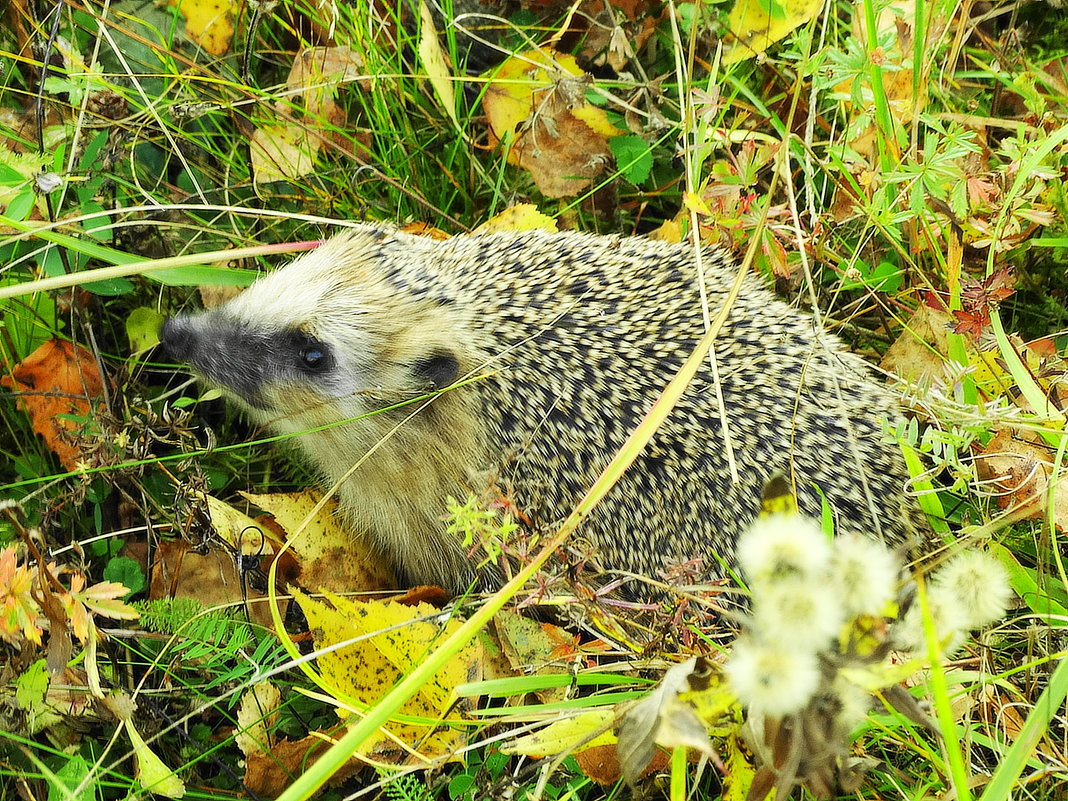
[(56, 382)]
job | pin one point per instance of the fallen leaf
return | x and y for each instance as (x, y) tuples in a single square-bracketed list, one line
[(142, 328), (282, 152), (755, 25), (288, 148), (531, 646), (269, 775), (537, 99), (387, 641), (662, 718), (574, 735), (330, 556), (209, 23), (257, 715), (152, 772), (1016, 464), (213, 579), (920, 351), (59, 384), (520, 217), (434, 61)]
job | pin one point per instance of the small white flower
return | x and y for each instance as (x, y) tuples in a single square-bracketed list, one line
[(798, 613), (775, 681), (948, 615), (866, 573), (979, 582), (783, 545)]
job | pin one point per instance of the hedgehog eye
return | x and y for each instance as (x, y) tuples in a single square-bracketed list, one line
[(314, 358)]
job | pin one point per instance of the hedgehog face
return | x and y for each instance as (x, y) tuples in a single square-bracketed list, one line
[(318, 341), (254, 364)]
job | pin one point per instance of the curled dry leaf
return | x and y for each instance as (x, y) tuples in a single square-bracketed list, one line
[(1017, 466), (59, 384), (289, 148), (664, 718), (538, 98), (257, 716)]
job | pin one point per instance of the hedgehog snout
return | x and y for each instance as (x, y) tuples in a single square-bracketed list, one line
[(178, 337)]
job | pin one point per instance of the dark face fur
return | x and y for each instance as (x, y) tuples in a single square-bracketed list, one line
[(246, 360), (323, 339)]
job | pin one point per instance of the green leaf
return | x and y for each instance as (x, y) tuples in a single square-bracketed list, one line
[(21, 205), (633, 157), (127, 572), (205, 276), (110, 287), (142, 328), (71, 776), (31, 686), (460, 785)]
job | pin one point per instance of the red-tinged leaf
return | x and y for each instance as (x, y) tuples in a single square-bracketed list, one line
[(77, 615), (972, 323), (103, 598), (19, 612)]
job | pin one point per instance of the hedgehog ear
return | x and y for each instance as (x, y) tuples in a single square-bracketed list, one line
[(439, 369)]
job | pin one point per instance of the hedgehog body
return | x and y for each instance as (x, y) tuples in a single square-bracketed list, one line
[(549, 348)]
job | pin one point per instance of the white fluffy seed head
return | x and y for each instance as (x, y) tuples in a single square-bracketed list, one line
[(979, 583), (866, 573), (948, 615), (798, 613), (775, 681), (779, 546)]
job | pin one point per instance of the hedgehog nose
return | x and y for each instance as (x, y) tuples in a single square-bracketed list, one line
[(178, 337)]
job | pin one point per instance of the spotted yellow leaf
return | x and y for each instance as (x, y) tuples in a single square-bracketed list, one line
[(209, 23), (386, 641), (755, 25)]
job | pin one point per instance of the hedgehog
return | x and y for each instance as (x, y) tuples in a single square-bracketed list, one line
[(412, 371)]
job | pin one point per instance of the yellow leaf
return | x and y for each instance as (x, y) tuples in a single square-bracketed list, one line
[(669, 231), (228, 522), (567, 736), (874, 678), (256, 716), (597, 119), (758, 24), (740, 771), (536, 102), (390, 639), (329, 558), (521, 217), (696, 203), (437, 68), (155, 776), (209, 23), (282, 152)]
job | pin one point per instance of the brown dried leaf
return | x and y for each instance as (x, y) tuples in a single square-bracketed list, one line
[(919, 352), (58, 381), (1018, 463), (539, 98), (330, 556), (268, 775)]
